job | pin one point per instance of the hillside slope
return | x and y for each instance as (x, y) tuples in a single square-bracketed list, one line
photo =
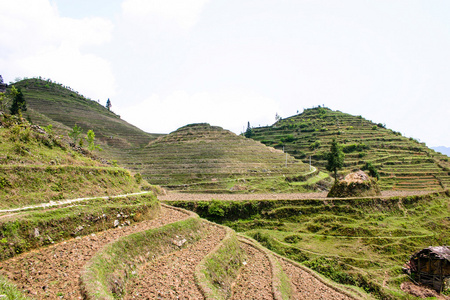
[(403, 164), (52, 103), (207, 158), (37, 167)]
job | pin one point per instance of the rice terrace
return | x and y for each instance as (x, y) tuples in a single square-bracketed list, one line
[(92, 207)]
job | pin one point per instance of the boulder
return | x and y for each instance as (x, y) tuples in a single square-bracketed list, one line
[(357, 184)]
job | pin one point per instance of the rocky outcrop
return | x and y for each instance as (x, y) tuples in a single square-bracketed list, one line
[(357, 184)]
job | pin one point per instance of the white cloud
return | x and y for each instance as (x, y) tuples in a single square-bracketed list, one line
[(184, 13), (36, 41), (228, 109)]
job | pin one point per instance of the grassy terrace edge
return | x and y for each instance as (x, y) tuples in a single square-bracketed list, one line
[(26, 230), (358, 242)]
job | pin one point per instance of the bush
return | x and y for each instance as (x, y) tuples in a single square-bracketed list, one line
[(355, 147), (315, 145), (288, 138), (372, 170)]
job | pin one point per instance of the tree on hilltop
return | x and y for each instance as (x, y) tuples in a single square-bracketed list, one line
[(249, 132), (108, 104), (335, 158)]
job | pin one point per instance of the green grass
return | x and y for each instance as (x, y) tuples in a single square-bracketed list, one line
[(10, 291), (218, 270), (204, 158), (358, 242), (403, 163), (37, 167), (53, 103), (31, 229)]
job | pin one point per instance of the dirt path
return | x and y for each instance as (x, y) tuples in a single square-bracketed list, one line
[(172, 276), (274, 196), (255, 278), (62, 202), (54, 271)]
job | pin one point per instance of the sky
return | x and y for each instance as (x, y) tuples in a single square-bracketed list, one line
[(166, 64)]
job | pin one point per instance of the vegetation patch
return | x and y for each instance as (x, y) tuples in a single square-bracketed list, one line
[(219, 269), (23, 231), (361, 242)]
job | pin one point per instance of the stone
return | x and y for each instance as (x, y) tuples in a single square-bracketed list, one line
[(116, 223), (357, 184)]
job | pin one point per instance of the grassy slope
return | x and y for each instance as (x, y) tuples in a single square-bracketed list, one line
[(359, 242), (51, 103), (36, 167), (404, 164), (201, 157)]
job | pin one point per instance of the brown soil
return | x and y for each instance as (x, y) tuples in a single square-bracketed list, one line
[(421, 291), (172, 276), (307, 286), (54, 271), (292, 196), (255, 277)]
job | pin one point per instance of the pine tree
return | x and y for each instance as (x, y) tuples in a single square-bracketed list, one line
[(249, 132), (335, 158), (108, 104)]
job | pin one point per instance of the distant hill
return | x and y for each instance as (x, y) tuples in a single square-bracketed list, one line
[(53, 103), (442, 149), (403, 163), (201, 157)]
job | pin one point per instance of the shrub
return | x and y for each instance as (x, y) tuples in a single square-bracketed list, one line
[(315, 145), (372, 170), (374, 127)]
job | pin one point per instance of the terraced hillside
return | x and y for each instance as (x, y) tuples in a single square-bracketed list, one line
[(357, 242), (37, 167), (403, 163), (200, 157), (52, 103), (175, 255)]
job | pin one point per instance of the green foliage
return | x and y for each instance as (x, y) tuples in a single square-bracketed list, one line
[(10, 291), (315, 145), (49, 129), (75, 134), (138, 178), (287, 139), (4, 101), (61, 223), (249, 132), (372, 170), (90, 139), (108, 104), (354, 147), (18, 101), (335, 158)]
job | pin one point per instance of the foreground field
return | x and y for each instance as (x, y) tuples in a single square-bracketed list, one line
[(174, 254), (358, 242)]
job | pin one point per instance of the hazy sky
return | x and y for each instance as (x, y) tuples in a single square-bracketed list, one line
[(168, 63)]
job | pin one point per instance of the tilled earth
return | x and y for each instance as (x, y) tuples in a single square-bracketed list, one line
[(172, 276), (255, 278), (309, 287), (54, 271)]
